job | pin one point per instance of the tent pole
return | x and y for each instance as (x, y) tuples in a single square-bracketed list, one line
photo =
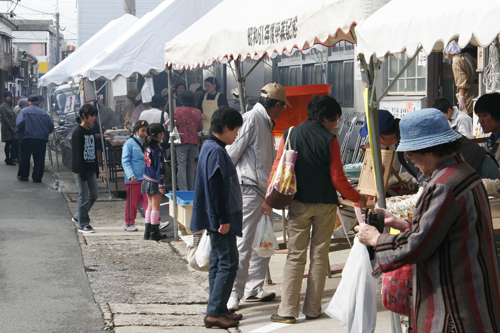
[(172, 152), (241, 79), (253, 67), (374, 135), (102, 142)]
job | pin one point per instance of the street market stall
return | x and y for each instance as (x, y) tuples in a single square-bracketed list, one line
[(259, 29)]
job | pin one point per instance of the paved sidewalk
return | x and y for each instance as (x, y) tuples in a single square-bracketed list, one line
[(147, 286), (43, 284)]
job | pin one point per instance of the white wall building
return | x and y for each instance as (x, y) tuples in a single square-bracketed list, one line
[(93, 15)]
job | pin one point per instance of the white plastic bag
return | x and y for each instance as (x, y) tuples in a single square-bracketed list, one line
[(354, 305), (265, 242), (191, 254), (177, 137), (203, 251)]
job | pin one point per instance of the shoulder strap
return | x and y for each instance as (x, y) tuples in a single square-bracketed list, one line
[(138, 142), (287, 142), (468, 62)]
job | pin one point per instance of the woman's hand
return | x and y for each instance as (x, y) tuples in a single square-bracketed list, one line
[(162, 191), (224, 228), (167, 122), (392, 221), (266, 209), (132, 179), (367, 234)]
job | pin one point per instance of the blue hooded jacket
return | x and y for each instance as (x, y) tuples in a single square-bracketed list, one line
[(34, 123), (133, 159)]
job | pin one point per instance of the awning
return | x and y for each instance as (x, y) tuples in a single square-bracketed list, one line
[(90, 49), (405, 25), (261, 28), (140, 49)]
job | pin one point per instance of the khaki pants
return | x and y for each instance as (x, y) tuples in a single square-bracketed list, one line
[(303, 216)]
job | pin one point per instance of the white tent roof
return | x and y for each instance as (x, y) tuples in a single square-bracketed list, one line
[(404, 25), (263, 27), (62, 72), (141, 48)]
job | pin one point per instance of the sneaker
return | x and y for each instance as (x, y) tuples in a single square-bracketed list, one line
[(262, 296), (285, 320), (233, 304), (86, 230), (131, 227), (74, 219), (163, 225)]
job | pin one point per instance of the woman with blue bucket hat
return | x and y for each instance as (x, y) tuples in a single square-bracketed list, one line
[(449, 241)]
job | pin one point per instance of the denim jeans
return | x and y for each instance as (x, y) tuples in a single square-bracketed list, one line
[(87, 195), (186, 155), (223, 267)]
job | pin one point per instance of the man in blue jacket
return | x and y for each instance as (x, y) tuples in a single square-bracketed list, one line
[(34, 126)]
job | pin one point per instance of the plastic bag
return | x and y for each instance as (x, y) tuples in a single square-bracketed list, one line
[(177, 137), (191, 254), (203, 252), (265, 242), (354, 305)]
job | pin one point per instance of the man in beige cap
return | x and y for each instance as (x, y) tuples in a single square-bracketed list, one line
[(253, 154)]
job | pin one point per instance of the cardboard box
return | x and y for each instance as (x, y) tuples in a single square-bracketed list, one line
[(184, 208)]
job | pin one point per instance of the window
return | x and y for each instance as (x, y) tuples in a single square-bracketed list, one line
[(38, 49), (412, 81), (290, 76), (313, 74), (342, 79), (4, 44), (24, 47), (342, 46)]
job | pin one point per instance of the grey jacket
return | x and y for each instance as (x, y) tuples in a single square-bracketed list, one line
[(253, 150)]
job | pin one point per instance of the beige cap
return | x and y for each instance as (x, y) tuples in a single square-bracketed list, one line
[(274, 91)]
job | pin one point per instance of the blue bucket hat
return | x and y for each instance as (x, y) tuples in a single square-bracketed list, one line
[(385, 121), (425, 128)]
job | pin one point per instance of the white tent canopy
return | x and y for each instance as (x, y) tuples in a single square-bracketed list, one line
[(262, 27), (141, 48), (62, 72), (405, 25)]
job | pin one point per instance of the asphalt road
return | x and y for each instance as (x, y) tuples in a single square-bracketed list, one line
[(43, 285)]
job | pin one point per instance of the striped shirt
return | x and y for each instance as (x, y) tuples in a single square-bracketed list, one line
[(455, 274)]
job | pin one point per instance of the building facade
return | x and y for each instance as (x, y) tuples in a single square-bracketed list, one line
[(38, 38), (6, 27), (93, 15)]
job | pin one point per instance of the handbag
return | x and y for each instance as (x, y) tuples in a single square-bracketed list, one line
[(397, 290), (265, 242), (283, 185)]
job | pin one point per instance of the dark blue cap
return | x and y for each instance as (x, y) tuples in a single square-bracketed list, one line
[(385, 121)]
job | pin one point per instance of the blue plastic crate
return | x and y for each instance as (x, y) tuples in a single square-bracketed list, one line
[(184, 198)]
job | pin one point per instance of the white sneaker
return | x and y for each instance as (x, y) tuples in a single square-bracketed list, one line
[(131, 227), (163, 225), (233, 304), (262, 296)]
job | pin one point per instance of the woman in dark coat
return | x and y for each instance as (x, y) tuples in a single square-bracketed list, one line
[(9, 135)]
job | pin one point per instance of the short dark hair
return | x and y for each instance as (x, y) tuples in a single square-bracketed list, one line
[(489, 103), (442, 149), (323, 107), (268, 103), (442, 104), (86, 111), (225, 116)]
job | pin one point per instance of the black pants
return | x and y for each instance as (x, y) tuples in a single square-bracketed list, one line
[(35, 147), (11, 149)]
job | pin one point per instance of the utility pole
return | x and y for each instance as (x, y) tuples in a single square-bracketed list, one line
[(129, 7), (58, 44)]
